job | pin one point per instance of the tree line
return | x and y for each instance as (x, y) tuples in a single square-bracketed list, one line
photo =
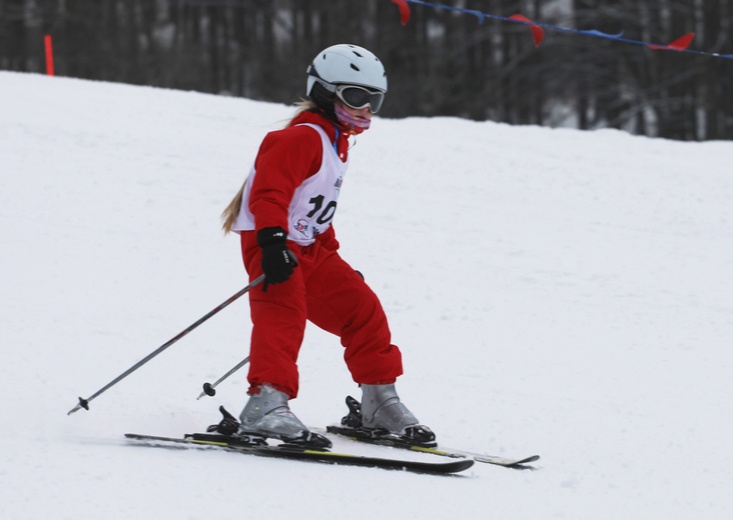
[(442, 63)]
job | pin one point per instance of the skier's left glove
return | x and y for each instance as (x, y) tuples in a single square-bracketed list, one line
[(278, 261)]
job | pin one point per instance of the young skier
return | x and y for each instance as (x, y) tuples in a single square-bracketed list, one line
[(283, 214)]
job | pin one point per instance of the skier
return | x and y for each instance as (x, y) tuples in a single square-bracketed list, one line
[(283, 214)]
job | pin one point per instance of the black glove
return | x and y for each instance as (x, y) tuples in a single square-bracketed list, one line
[(278, 261)]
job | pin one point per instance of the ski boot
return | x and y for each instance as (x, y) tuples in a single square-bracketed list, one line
[(382, 418), (268, 415)]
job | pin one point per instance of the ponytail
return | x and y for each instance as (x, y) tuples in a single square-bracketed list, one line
[(230, 214)]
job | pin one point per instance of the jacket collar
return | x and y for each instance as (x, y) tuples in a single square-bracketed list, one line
[(337, 136)]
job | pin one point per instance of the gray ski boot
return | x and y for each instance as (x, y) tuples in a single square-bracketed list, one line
[(267, 414), (382, 411)]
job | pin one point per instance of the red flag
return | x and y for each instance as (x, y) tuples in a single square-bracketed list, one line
[(404, 11), (680, 44), (537, 33)]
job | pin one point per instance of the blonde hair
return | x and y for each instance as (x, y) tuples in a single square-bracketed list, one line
[(230, 214)]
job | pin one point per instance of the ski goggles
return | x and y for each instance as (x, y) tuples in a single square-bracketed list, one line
[(359, 97)]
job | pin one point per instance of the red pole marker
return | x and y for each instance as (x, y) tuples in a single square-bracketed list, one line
[(49, 54)]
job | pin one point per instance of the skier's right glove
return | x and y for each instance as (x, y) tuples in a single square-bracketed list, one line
[(278, 261)]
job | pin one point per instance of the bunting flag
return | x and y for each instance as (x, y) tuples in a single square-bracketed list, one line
[(681, 44), (404, 11), (537, 32)]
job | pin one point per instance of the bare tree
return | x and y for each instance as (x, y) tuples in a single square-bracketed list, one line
[(443, 62)]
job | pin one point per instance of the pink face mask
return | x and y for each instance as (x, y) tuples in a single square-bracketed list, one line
[(355, 124)]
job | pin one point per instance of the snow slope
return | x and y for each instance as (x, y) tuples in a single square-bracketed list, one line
[(553, 291)]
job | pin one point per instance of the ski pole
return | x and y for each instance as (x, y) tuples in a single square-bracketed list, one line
[(209, 388), (84, 403)]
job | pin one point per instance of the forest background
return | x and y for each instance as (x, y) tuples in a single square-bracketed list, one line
[(443, 62)]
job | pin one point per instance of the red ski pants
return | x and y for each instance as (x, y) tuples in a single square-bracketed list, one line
[(327, 291)]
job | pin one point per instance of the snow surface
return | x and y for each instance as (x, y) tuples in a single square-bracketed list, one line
[(556, 292)]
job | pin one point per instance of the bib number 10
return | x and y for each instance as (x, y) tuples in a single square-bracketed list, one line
[(325, 214)]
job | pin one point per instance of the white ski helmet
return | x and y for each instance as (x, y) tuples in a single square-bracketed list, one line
[(344, 64)]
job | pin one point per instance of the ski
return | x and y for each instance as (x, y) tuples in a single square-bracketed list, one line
[(352, 428), (352, 434), (286, 451)]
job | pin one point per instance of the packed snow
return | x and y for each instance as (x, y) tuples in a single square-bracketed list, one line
[(553, 291)]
